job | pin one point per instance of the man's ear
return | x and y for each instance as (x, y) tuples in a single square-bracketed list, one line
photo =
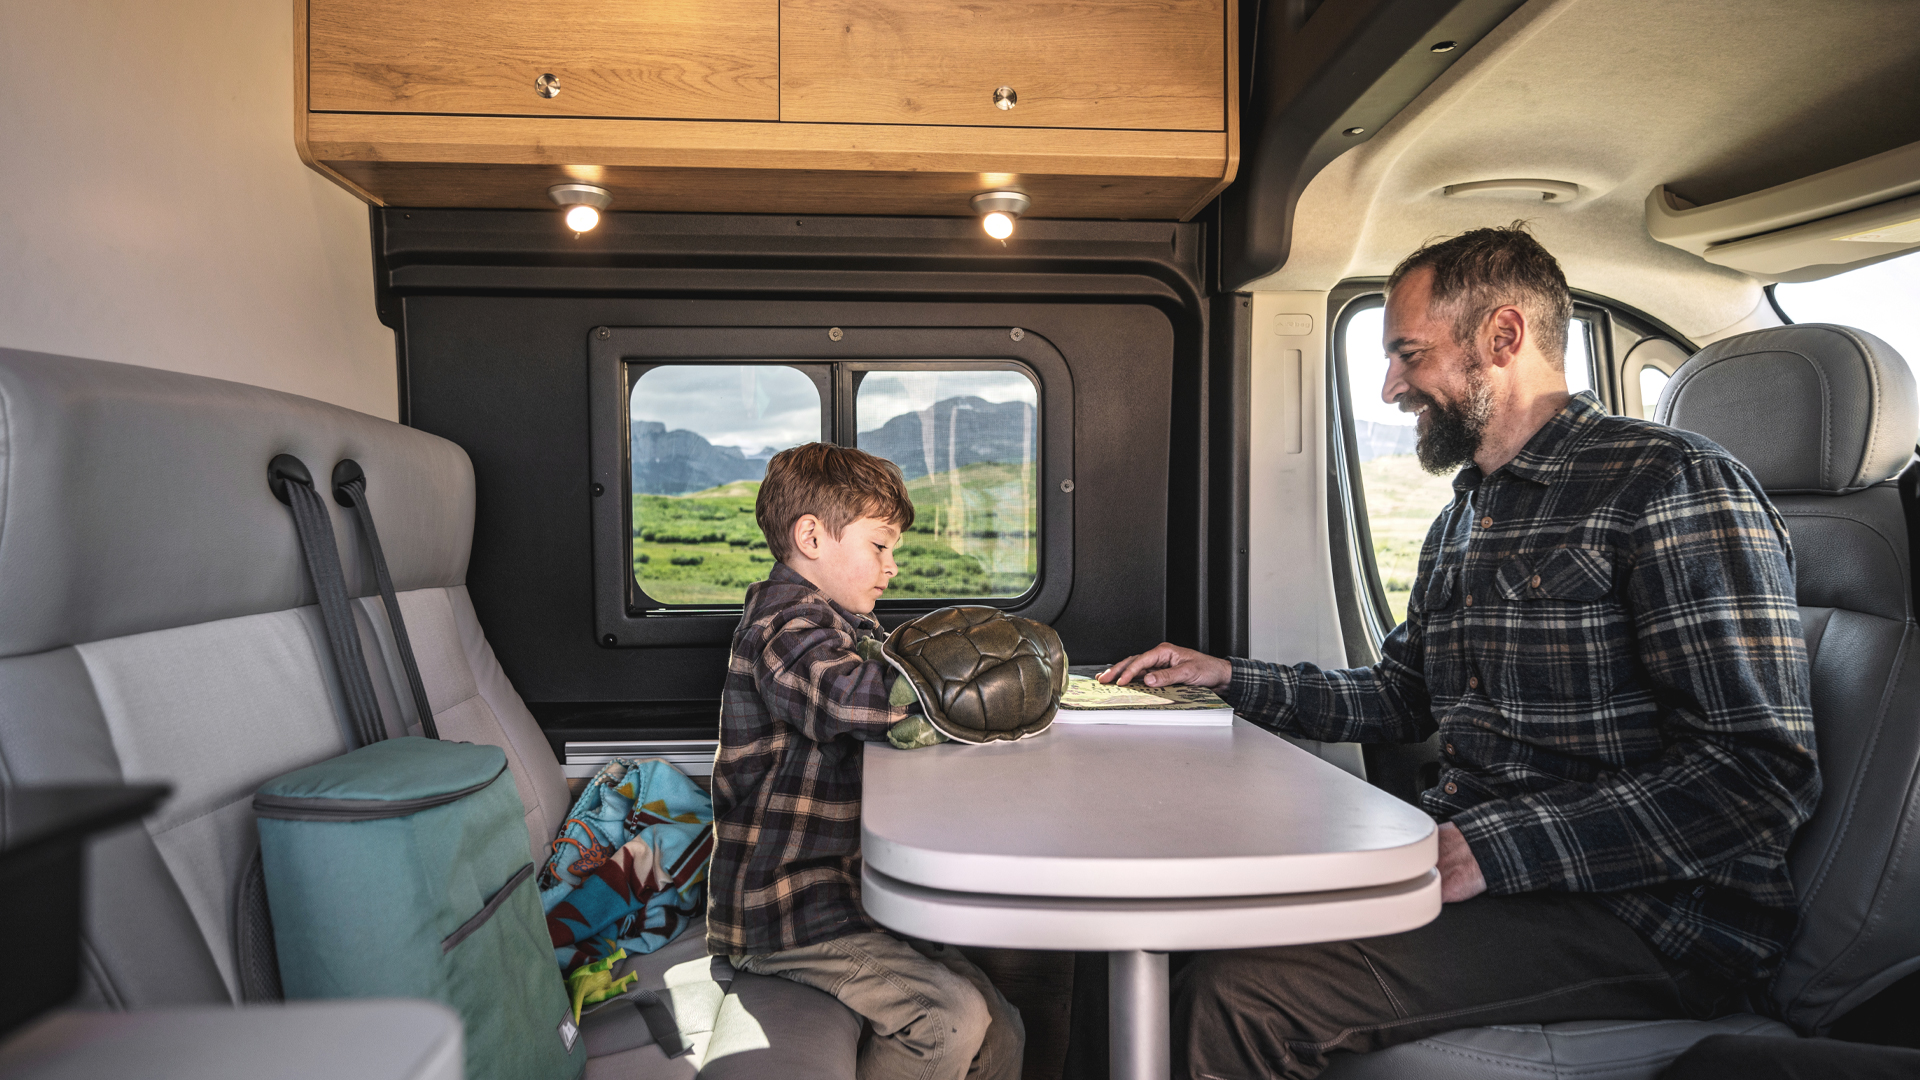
[(1507, 332), (806, 536)]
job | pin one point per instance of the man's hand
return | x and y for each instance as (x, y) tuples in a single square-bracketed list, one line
[(1170, 665), (1459, 871)]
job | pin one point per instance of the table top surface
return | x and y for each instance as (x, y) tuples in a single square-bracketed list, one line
[(1134, 812)]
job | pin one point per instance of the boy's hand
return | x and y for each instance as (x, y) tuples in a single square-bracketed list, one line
[(1170, 665)]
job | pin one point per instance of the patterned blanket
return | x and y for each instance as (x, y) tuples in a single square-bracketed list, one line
[(629, 868)]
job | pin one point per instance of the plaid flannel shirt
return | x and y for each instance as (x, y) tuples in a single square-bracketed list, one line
[(1604, 633), (797, 704)]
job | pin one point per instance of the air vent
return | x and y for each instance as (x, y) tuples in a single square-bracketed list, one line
[(1544, 190)]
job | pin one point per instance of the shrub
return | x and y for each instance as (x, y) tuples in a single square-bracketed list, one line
[(687, 560), (643, 557)]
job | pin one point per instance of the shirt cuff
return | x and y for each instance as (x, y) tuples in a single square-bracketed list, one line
[(1498, 835), (1259, 691)]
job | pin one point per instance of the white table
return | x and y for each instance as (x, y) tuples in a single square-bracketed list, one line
[(1138, 841)]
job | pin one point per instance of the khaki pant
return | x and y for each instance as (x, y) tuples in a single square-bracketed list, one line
[(934, 1015)]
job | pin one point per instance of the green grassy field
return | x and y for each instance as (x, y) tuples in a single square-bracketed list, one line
[(1402, 501), (705, 547)]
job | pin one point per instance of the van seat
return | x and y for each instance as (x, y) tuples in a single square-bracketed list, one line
[(160, 626)]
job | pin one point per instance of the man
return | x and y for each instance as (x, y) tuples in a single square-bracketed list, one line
[(1603, 631)]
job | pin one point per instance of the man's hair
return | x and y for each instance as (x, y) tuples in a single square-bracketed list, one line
[(1478, 271), (837, 484)]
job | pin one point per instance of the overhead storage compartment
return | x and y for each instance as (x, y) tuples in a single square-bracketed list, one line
[(1096, 109), (1807, 229)]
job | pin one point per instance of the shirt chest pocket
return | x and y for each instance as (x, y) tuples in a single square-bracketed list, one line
[(1564, 648), (1570, 574)]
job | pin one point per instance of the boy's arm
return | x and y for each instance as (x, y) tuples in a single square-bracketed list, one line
[(810, 676)]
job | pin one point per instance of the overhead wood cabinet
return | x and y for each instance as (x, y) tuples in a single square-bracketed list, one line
[(1094, 108)]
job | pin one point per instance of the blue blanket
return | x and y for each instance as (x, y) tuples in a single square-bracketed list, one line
[(629, 868)]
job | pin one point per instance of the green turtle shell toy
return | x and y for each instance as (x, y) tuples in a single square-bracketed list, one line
[(981, 675)]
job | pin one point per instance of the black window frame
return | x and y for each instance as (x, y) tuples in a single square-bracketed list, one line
[(624, 617)]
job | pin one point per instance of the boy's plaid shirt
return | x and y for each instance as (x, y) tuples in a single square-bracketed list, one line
[(797, 705), (1604, 633)]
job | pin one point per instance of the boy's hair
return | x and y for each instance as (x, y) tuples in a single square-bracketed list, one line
[(837, 484), (1478, 271)]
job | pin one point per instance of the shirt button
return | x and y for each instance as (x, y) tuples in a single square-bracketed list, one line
[(1452, 787), (1534, 581), (1469, 599), (1473, 683), (1486, 522), (1449, 748)]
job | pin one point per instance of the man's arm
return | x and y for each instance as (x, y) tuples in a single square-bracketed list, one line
[(1385, 703), (1711, 593), (810, 676)]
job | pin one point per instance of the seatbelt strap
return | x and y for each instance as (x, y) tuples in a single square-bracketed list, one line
[(292, 484), (350, 490)]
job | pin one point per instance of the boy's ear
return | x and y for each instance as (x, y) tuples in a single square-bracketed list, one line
[(806, 536)]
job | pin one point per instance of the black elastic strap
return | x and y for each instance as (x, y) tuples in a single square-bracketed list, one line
[(292, 484), (350, 489)]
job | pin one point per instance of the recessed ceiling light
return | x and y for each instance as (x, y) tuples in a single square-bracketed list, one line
[(1443, 46), (997, 209), (1354, 131), (583, 202)]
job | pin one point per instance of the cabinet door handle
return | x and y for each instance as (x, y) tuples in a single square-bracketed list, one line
[(548, 86), (1004, 98)]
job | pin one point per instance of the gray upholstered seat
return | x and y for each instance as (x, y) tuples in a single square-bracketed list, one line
[(1826, 418), (158, 624)]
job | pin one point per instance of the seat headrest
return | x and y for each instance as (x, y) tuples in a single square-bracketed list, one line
[(1811, 409)]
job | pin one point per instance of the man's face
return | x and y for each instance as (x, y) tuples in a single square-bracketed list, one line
[(1431, 374), (852, 569)]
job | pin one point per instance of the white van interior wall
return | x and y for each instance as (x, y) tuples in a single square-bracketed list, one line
[(1292, 613), (153, 211)]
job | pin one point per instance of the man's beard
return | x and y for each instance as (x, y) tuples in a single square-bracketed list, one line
[(1453, 432)]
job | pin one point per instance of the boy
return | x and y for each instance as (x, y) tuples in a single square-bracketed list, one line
[(784, 888)]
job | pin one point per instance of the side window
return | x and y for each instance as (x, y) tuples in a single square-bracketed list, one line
[(967, 442), (1397, 500), (1878, 299), (965, 435), (700, 437)]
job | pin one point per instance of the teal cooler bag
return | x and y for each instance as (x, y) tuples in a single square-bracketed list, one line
[(401, 870)]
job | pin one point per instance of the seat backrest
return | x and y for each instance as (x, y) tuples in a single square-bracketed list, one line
[(1826, 418), (158, 624)]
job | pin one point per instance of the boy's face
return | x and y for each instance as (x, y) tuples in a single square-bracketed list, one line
[(852, 569)]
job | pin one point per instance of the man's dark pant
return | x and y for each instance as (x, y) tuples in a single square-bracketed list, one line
[(1533, 959)]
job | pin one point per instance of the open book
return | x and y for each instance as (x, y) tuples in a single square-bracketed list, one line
[(1089, 702)]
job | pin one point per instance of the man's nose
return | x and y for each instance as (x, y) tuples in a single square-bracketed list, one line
[(1396, 381)]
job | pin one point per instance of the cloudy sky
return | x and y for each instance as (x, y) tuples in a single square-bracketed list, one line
[(759, 405)]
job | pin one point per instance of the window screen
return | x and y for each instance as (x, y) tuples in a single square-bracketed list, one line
[(966, 441), (700, 437)]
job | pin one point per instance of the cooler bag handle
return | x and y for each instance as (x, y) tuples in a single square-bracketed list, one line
[(350, 490), (292, 484)]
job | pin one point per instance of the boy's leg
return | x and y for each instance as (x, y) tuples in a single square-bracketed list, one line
[(928, 1022), (1005, 1045)]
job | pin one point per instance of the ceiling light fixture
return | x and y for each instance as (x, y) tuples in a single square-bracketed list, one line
[(1544, 190), (1443, 46), (583, 202), (997, 209)]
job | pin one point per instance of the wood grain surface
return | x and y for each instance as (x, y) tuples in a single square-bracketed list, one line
[(701, 59), (769, 191), (1143, 64)]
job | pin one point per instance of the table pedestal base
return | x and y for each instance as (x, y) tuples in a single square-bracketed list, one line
[(1137, 1039)]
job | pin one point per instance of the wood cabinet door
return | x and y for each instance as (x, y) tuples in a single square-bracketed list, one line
[(682, 59), (1144, 64)]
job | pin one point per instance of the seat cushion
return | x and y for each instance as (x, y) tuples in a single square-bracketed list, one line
[(1587, 1049), (375, 1039), (770, 1027)]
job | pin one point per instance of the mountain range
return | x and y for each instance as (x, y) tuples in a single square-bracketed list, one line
[(967, 430)]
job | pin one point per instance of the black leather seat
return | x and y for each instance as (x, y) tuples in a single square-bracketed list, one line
[(1826, 418)]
